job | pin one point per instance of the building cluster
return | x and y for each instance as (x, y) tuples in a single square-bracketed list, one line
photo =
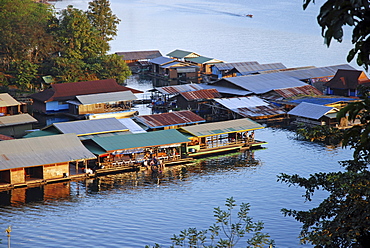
[(209, 106)]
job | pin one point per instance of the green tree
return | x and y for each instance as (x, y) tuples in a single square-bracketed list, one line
[(335, 14), (103, 19), (225, 233), (25, 40)]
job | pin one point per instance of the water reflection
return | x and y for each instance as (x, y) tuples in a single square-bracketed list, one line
[(131, 180)]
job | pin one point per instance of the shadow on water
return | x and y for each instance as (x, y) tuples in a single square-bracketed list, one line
[(141, 180)]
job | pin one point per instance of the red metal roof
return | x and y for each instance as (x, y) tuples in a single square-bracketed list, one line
[(176, 118), (67, 91), (5, 137), (201, 94), (295, 91)]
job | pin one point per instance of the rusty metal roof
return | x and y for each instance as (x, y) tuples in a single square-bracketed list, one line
[(295, 91), (201, 94), (176, 118), (176, 89), (68, 91), (140, 55), (250, 106)]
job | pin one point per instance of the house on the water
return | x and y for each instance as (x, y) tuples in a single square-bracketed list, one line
[(224, 136), (132, 151), (236, 69), (139, 60), (10, 106), (315, 115), (172, 69), (16, 125), (103, 105), (346, 82), (55, 99), (194, 100), (251, 107), (169, 120), (43, 159)]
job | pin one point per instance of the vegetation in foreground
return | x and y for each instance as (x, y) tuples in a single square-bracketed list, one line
[(225, 233)]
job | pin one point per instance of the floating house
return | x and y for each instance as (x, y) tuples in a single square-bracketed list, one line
[(10, 106), (243, 68), (42, 159), (224, 136), (314, 114), (183, 55), (16, 125), (135, 58), (260, 83), (204, 63), (55, 99), (278, 95), (103, 105), (132, 150), (346, 82), (174, 70), (324, 100), (84, 129), (193, 100), (251, 107), (168, 120)]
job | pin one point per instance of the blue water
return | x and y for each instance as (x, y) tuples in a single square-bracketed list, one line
[(136, 209)]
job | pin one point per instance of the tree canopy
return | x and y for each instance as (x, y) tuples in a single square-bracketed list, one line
[(335, 14), (70, 46)]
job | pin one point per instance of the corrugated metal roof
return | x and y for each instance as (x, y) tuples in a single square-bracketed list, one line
[(132, 125), (68, 91), (310, 110), (229, 66), (176, 89), (215, 128), (227, 90), (296, 91), (201, 94), (323, 100), (250, 106), (149, 139), (161, 60), (7, 100), (106, 97), (263, 83), (181, 54), (204, 60), (94, 126), (12, 120), (249, 69), (53, 149), (5, 137), (175, 118), (326, 71), (138, 55)]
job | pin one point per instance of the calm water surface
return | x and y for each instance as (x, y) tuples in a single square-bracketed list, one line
[(137, 209)]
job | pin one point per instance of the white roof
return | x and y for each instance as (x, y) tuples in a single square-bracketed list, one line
[(242, 102), (106, 97), (51, 149), (310, 110), (7, 100), (132, 125)]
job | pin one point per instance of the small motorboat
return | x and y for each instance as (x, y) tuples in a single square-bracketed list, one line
[(249, 15)]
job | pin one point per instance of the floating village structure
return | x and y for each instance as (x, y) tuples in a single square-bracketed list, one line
[(216, 107)]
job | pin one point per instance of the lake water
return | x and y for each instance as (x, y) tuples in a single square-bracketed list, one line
[(138, 209)]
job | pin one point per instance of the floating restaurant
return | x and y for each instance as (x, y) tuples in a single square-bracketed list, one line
[(216, 137)]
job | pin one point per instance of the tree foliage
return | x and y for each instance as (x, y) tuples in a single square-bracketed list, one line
[(225, 233), (71, 45), (335, 14)]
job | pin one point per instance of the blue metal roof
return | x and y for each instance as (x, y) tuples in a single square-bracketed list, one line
[(161, 60), (322, 100)]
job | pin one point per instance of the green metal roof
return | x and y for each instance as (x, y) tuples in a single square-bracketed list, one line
[(180, 54), (40, 133), (149, 139), (200, 59), (215, 128)]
